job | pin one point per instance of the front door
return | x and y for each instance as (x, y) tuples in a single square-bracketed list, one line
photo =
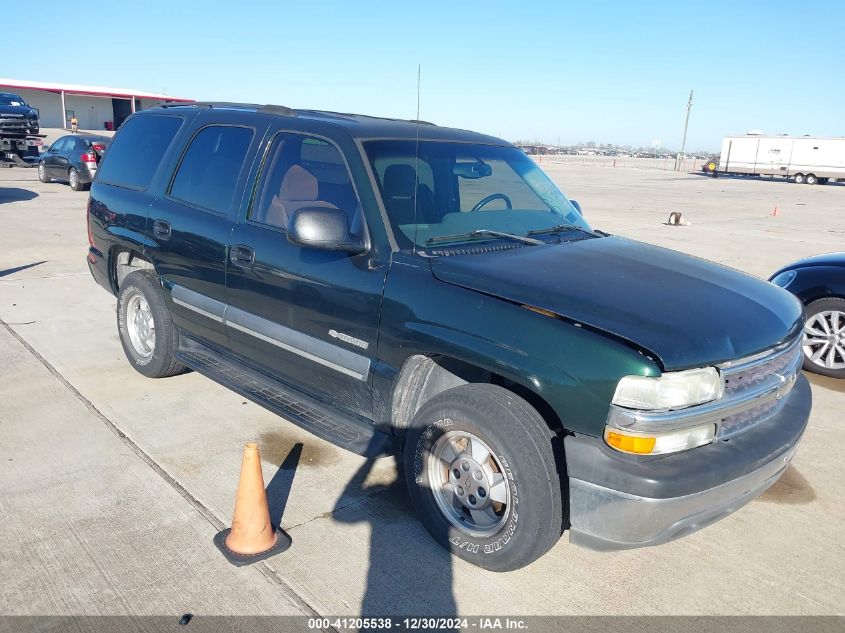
[(190, 226), (307, 316), (55, 156)]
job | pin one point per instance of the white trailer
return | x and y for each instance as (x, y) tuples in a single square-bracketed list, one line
[(803, 159)]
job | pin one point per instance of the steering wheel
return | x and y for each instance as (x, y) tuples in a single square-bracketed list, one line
[(488, 199)]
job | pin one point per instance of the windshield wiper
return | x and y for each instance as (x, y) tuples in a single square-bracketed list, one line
[(482, 233), (558, 228)]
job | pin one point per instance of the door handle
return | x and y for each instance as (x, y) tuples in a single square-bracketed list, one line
[(161, 229), (241, 255)]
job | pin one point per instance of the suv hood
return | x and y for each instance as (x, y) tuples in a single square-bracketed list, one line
[(687, 311), (25, 110)]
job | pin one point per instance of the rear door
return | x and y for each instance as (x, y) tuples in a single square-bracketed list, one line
[(189, 226), (307, 316)]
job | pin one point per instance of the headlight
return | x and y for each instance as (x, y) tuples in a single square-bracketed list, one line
[(784, 279), (659, 443), (672, 390)]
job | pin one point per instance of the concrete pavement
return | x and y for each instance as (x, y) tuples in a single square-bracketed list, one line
[(118, 482)]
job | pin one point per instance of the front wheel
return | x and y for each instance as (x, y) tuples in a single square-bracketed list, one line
[(824, 337), (481, 473), (799, 179), (42, 172), (147, 334)]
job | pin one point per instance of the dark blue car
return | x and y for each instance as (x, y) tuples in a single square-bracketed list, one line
[(819, 282)]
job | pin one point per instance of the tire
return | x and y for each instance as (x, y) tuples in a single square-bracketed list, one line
[(810, 179), (799, 179), (149, 350), (822, 337), (42, 172), (73, 180), (523, 518)]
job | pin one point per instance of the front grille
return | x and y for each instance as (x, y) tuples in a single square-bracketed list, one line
[(744, 375)]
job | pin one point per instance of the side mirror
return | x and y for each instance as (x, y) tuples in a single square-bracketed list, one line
[(577, 206), (325, 228)]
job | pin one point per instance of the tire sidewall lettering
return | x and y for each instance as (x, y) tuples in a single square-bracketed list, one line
[(124, 332), (460, 541)]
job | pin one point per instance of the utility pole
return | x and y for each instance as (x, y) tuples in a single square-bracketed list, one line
[(680, 159)]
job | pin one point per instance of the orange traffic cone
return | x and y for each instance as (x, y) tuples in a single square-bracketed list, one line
[(252, 537)]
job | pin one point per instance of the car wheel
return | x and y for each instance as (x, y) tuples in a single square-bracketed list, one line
[(810, 179), (480, 468), (146, 331), (42, 172), (824, 337), (73, 179), (799, 179)]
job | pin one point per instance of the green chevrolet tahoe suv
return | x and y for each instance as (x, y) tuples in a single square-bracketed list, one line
[(395, 286)]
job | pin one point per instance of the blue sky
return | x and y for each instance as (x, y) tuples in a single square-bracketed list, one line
[(575, 71)]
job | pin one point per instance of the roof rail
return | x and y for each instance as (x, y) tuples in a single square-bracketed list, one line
[(368, 116), (268, 108)]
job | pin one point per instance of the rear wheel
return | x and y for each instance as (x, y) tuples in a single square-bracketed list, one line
[(73, 179), (799, 179), (810, 179), (824, 337), (146, 331), (482, 476), (42, 172)]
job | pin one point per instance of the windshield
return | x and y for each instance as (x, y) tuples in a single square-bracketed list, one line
[(11, 100), (453, 189)]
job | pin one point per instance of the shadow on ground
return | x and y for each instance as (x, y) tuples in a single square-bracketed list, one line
[(408, 573), (16, 269), (402, 553), (15, 194)]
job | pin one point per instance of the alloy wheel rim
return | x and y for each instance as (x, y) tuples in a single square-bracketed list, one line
[(140, 325), (469, 484), (73, 179), (824, 339), (41, 170)]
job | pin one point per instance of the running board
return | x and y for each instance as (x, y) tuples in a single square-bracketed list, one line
[(350, 432)]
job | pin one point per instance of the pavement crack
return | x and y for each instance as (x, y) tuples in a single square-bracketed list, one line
[(203, 510)]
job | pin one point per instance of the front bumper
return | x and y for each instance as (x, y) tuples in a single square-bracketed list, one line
[(620, 501)]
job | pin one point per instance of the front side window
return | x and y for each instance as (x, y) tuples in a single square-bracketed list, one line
[(208, 173), (302, 171), (60, 145), (137, 150), (448, 189)]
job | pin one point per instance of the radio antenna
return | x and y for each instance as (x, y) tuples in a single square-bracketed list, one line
[(417, 157)]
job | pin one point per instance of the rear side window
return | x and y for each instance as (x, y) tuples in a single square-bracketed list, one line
[(209, 170), (137, 150)]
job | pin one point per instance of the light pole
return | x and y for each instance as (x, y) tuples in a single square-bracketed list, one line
[(679, 160)]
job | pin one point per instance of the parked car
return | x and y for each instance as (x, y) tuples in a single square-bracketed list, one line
[(819, 282), (73, 158), (394, 286), (16, 116)]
